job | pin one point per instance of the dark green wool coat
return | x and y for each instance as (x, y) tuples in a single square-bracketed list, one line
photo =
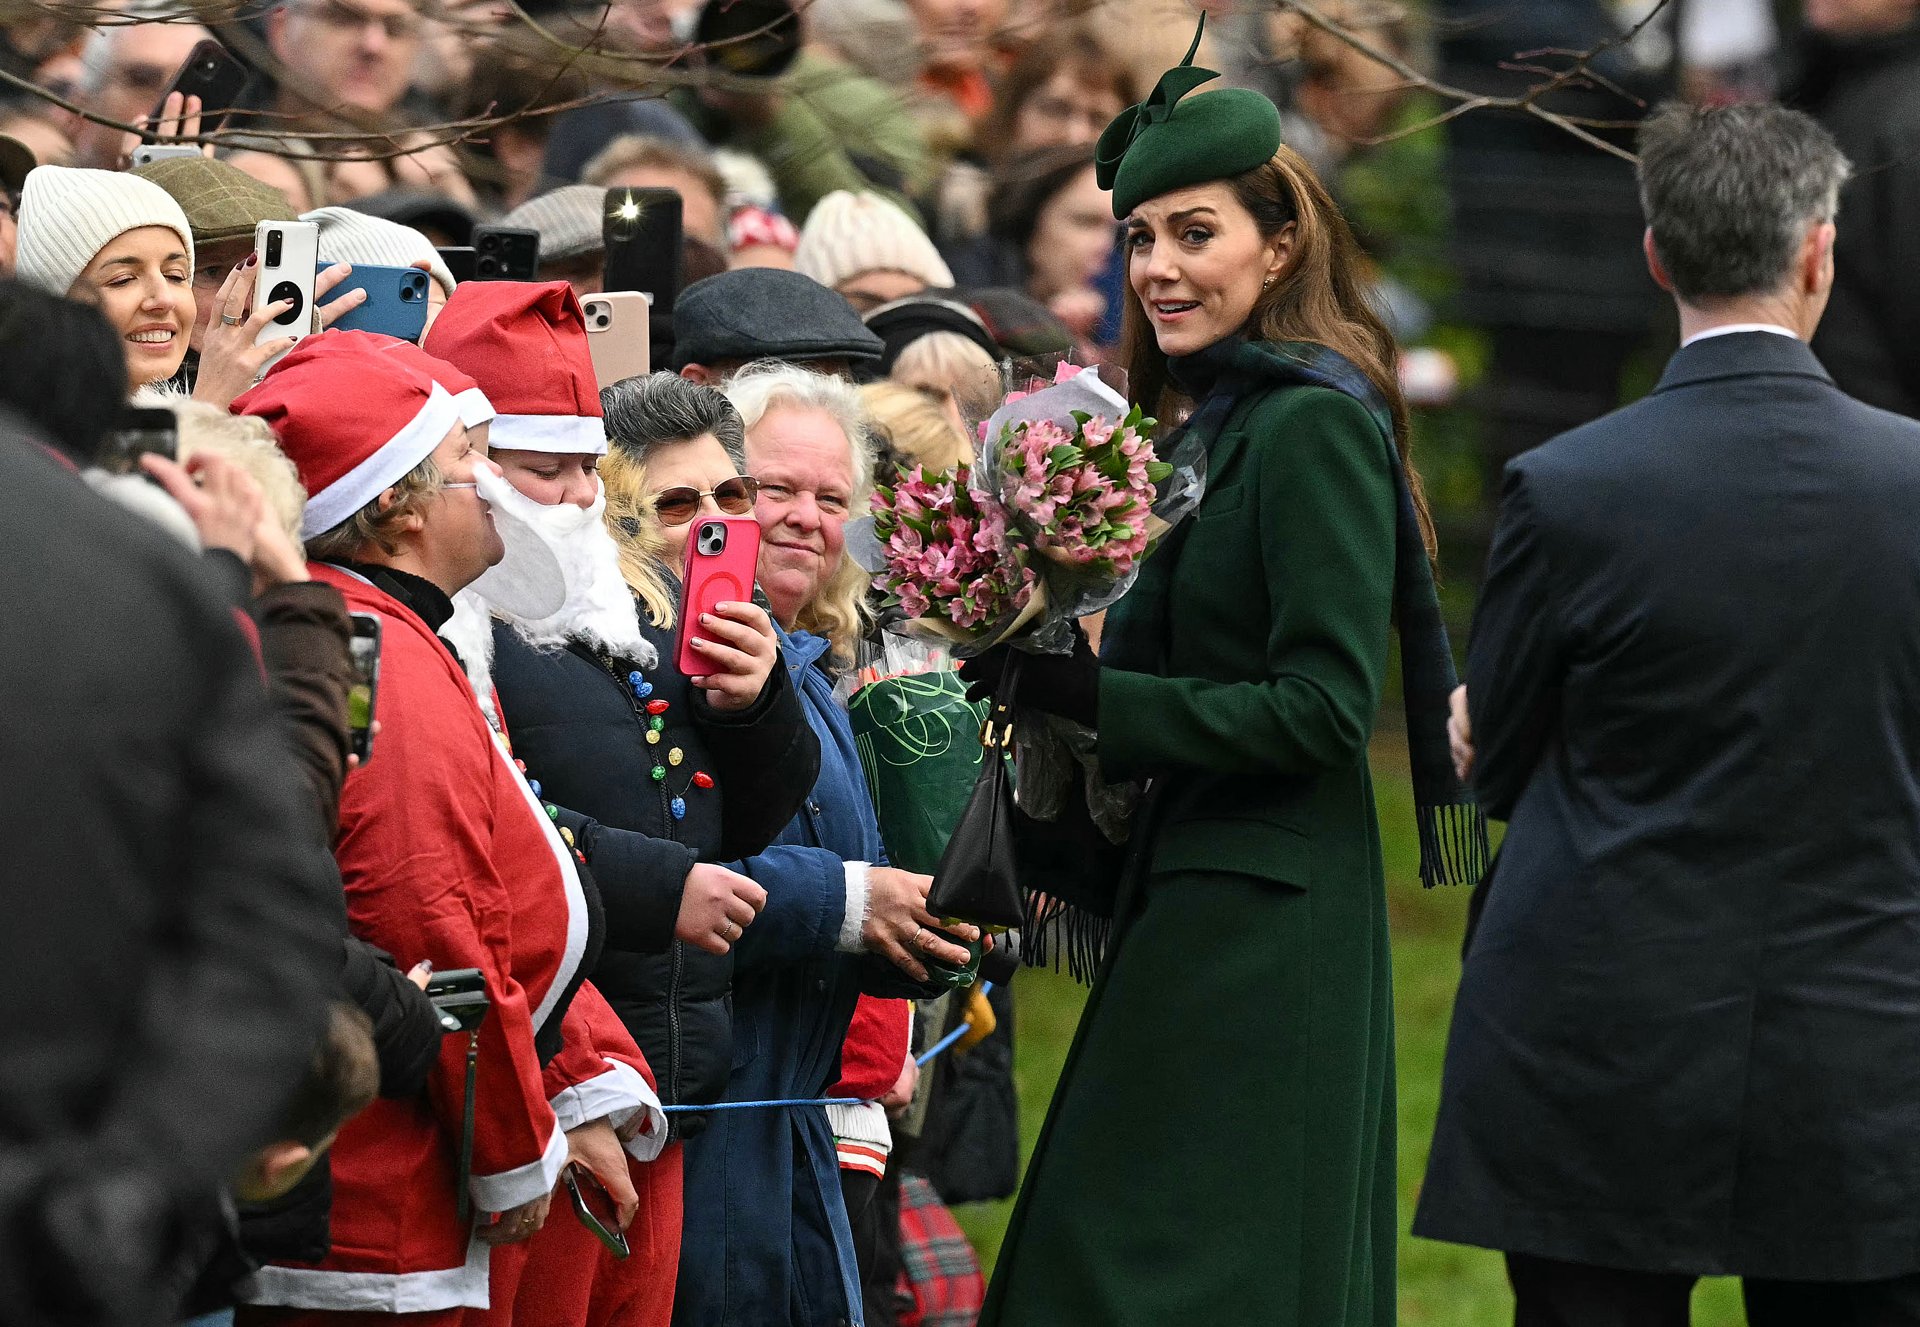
[(1220, 1149)]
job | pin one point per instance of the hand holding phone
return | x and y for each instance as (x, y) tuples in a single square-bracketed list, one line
[(286, 255), (211, 74), (395, 302), (138, 431)]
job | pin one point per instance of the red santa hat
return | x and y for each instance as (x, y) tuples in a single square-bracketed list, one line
[(525, 343), (353, 418), (475, 408)]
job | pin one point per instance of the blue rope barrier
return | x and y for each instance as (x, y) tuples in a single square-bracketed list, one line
[(938, 1048)]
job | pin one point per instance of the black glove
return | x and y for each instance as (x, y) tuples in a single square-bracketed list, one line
[(1064, 684)]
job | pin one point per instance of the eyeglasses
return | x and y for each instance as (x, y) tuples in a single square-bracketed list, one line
[(677, 506), (345, 18)]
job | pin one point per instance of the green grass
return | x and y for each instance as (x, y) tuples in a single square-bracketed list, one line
[(1441, 1285)]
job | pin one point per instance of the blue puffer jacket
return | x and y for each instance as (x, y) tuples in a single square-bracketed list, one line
[(750, 1254)]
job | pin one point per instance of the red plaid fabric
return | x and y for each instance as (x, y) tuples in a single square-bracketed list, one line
[(940, 1274)]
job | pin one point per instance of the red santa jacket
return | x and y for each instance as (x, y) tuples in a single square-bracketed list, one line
[(446, 854)]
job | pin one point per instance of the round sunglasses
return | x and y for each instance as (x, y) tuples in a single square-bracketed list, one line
[(677, 506)]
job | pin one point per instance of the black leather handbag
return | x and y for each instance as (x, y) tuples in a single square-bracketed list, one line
[(976, 880)]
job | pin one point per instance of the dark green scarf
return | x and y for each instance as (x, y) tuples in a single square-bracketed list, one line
[(1453, 833)]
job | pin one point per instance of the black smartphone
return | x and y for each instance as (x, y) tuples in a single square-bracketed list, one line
[(461, 260), (505, 253), (642, 230), (595, 1207), (364, 650), (139, 430), (213, 74), (460, 994)]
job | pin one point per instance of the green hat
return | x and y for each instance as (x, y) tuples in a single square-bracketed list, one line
[(222, 202), (1165, 143)]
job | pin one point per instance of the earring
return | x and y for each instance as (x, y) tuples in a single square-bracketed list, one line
[(1267, 284)]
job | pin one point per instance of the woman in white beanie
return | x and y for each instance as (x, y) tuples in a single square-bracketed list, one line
[(869, 250), (123, 245)]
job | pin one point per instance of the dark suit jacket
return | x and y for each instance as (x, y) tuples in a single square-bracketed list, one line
[(1688, 1032), (172, 923)]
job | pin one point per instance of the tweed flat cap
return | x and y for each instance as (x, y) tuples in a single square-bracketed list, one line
[(1166, 143), (222, 202), (765, 313)]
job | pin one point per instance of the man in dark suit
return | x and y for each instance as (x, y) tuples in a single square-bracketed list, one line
[(1687, 1037)]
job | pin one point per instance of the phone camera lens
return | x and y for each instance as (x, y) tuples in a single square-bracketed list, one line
[(487, 266), (273, 248), (713, 538)]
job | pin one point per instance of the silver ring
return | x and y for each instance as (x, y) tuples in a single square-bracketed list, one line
[(731, 932), (918, 931), (230, 320)]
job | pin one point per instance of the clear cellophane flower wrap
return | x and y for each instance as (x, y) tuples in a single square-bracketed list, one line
[(1067, 494)]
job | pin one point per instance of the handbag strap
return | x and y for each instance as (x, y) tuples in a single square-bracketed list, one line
[(996, 730)]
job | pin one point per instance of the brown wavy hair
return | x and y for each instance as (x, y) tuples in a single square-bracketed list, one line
[(1320, 297)]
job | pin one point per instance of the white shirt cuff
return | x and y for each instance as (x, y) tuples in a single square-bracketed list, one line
[(853, 923)]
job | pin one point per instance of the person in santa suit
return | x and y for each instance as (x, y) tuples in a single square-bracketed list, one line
[(561, 683), (449, 856)]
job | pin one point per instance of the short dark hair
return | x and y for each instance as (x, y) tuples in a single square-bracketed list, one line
[(342, 1078), (66, 373), (658, 409), (1729, 191)]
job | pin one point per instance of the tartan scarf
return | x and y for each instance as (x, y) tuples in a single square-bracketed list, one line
[(1453, 832)]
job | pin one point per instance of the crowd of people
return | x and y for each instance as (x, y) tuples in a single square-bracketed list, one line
[(556, 970)]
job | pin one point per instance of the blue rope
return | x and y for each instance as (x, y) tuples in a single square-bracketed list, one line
[(938, 1048)]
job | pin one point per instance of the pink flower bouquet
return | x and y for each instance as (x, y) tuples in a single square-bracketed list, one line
[(947, 559), (1084, 487)]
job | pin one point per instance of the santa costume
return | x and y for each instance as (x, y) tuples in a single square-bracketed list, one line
[(447, 855)]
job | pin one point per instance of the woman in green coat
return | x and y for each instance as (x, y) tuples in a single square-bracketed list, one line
[(1220, 1149)]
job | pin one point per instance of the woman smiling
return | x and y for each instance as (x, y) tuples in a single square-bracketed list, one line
[(122, 244)]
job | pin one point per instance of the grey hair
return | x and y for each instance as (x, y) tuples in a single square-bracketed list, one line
[(769, 383), (1729, 192), (655, 410)]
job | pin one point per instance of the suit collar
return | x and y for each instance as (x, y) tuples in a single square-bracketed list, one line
[(1741, 355)]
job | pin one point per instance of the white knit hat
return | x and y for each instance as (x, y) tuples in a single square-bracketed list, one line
[(68, 215), (347, 236), (848, 233)]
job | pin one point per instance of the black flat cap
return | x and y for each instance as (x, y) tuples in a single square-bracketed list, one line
[(765, 313)]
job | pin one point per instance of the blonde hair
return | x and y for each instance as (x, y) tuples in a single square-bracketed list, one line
[(921, 431), (838, 610), (377, 526), (636, 530), (948, 362), (249, 443)]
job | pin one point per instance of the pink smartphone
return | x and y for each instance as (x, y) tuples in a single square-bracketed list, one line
[(721, 553)]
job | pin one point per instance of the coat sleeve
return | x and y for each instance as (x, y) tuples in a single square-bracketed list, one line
[(1516, 655), (416, 826), (250, 955), (807, 893), (875, 1050), (766, 760), (641, 880), (304, 635), (406, 1028), (601, 1074), (1323, 512)]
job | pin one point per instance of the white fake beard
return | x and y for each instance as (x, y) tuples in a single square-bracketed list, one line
[(596, 606), (470, 632)]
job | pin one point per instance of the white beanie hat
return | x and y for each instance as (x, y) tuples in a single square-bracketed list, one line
[(848, 233), (347, 236), (68, 215)]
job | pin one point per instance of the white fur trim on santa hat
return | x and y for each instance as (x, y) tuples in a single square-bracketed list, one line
[(475, 408), (386, 467), (564, 434)]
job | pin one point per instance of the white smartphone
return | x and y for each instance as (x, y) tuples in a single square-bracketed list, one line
[(148, 153), (617, 334), (286, 254)]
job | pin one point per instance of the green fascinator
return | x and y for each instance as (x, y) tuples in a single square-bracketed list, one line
[(1167, 143)]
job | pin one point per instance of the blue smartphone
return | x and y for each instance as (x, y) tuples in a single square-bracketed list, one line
[(396, 303)]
